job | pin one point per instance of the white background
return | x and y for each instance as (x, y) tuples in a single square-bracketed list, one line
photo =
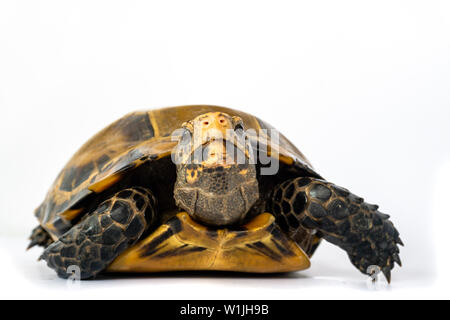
[(362, 87)]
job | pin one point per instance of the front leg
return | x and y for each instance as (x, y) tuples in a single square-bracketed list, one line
[(104, 234), (367, 235)]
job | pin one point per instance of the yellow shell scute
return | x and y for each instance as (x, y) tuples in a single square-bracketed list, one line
[(254, 248)]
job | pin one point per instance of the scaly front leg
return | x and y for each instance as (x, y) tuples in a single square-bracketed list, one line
[(367, 235), (104, 234)]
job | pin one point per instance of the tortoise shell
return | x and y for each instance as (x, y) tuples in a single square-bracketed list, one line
[(137, 138)]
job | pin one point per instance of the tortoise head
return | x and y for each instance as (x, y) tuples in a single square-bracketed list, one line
[(216, 181)]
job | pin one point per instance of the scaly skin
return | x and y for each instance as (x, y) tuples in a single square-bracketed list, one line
[(39, 237), (367, 235), (104, 234)]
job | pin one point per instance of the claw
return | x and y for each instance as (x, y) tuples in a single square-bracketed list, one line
[(32, 244), (383, 215), (397, 259), (387, 273)]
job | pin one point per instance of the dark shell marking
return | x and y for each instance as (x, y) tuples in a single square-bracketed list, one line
[(341, 218)]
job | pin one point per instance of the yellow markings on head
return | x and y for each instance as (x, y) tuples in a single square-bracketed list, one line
[(191, 175), (216, 153), (212, 133), (212, 126)]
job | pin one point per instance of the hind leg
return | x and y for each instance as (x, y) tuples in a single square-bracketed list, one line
[(104, 234), (39, 237)]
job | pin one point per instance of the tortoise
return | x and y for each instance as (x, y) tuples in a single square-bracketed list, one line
[(201, 188)]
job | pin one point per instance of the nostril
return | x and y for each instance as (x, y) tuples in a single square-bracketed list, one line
[(206, 123)]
